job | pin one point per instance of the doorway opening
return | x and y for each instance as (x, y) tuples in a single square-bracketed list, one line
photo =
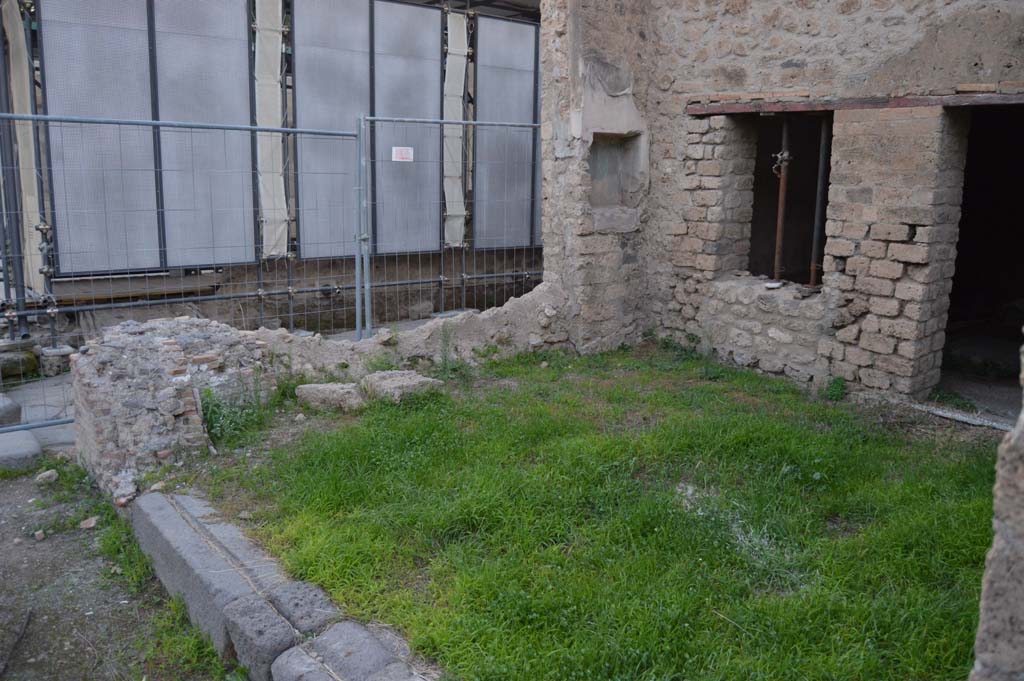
[(981, 359)]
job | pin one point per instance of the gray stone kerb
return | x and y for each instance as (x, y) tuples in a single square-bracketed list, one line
[(277, 628)]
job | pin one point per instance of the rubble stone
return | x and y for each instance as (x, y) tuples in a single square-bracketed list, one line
[(394, 386), (342, 396)]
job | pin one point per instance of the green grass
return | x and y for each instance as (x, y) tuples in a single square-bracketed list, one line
[(953, 399), (641, 516), (177, 649)]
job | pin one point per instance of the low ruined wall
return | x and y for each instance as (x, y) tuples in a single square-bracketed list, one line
[(999, 647), (778, 331), (137, 392), (138, 389)]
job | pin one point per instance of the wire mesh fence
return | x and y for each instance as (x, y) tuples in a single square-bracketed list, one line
[(331, 232), (451, 215)]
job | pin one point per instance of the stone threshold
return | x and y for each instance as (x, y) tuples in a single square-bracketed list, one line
[(277, 628)]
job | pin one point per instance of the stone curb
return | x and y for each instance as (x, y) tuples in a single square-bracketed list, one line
[(278, 629)]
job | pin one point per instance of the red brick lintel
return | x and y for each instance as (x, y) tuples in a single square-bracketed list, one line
[(810, 105)]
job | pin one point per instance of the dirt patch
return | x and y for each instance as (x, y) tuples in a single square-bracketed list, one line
[(81, 624)]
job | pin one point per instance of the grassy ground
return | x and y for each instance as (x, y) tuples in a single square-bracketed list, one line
[(639, 515)]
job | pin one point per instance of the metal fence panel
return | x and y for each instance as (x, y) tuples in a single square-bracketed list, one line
[(407, 42), (332, 89), (96, 63), (504, 161), (202, 58)]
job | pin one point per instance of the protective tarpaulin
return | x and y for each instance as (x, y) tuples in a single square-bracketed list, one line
[(503, 179), (454, 90), (104, 184), (202, 75), (21, 103), (408, 160), (274, 217), (331, 42)]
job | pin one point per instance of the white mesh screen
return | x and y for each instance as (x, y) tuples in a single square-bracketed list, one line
[(506, 77), (332, 89), (202, 53), (408, 84), (96, 64)]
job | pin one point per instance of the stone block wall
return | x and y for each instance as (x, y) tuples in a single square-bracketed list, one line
[(777, 331), (708, 231), (894, 206), (999, 647)]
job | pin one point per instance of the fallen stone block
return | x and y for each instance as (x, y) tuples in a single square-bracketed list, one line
[(19, 450), (56, 361), (343, 396), (188, 565), (19, 364), (10, 411), (394, 386), (259, 634)]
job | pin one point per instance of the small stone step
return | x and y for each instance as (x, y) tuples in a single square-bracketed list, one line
[(343, 396), (394, 386), (19, 450)]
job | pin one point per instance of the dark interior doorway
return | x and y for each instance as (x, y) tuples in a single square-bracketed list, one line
[(805, 140), (983, 335)]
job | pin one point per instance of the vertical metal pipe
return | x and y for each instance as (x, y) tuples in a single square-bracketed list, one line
[(290, 258), (820, 199), (357, 224), (463, 275), (364, 235), (440, 279), (782, 164)]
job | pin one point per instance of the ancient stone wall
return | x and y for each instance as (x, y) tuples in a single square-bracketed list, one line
[(832, 48), (138, 389), (696, 227), (137, 392), (894, 205), (777, 331), (701, 230), (593, 83), (999, 647)]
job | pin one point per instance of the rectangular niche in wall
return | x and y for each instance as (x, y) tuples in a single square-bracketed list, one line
[(809, 142), (615, 181)]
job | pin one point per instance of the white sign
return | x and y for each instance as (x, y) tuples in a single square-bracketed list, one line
[(402, 154)]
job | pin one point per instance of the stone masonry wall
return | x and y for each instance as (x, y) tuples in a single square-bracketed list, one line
[(833, 48), (894, 205), (702, 229), (777, 331), (137, 392), (726, 50), (999, 647), (592, 83)]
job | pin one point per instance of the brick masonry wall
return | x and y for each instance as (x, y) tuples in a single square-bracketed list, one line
[(894, 206)]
